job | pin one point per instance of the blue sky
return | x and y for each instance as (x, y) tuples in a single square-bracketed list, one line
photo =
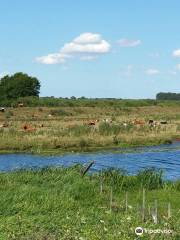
[(117, 48)]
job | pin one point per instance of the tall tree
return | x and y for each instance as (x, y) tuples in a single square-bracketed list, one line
[(18, 85)]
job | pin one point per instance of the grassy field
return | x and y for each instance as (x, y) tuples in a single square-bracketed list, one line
[(61, 204), (59, 129)]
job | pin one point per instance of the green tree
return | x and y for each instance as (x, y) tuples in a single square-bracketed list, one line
[(168, 96), (18, 85)]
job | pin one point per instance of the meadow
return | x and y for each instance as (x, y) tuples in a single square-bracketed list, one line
[(60, 203), (65, 126)]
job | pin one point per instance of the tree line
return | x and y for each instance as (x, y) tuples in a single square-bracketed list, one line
[(168, 96), (20, 87)]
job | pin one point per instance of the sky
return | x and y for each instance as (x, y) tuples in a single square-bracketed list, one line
[(117, 48)]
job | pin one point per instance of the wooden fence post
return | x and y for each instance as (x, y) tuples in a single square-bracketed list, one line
[(156, 212), (143, 206), (126, 202), (101, 183), (111, 200), (169, 210)]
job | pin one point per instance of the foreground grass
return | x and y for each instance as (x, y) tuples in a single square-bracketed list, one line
[(63, 129), (61, 204)]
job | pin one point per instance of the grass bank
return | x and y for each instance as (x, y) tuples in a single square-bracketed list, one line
[(59, 204)]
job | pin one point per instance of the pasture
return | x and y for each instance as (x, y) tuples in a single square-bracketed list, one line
[(87, 128)]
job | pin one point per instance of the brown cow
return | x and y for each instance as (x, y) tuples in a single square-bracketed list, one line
[(28, 128), (92, 122), (138, 122)]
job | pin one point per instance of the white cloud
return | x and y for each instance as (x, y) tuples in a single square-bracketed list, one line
[(152, 71), (88, 57), (85, 38), (51, 58), (87, 43), (87, 46), (129, 43), (176, 53)]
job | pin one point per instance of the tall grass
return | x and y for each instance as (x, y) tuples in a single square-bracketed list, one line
[(65, 128)]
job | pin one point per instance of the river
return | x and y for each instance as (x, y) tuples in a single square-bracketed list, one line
[(165, 157)]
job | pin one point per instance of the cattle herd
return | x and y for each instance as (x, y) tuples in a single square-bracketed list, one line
[(135, 122)]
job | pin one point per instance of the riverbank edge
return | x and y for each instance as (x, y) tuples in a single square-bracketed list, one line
[(88, 149)]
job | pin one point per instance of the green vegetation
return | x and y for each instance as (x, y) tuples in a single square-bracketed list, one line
[(18, 85), (58, 129), (168, 96), (55, 125), (60, 204)]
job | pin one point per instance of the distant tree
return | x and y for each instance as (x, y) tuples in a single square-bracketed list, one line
[(168, 96), (18, 85), (73, 98), (82, 98)]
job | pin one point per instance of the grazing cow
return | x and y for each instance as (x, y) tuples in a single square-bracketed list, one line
[(25, 126), (20, 104), (2, 109), (92, 123), (138, 122), (28, 128), (107, 120), (163, 122), (151, 121), (4, 125)]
